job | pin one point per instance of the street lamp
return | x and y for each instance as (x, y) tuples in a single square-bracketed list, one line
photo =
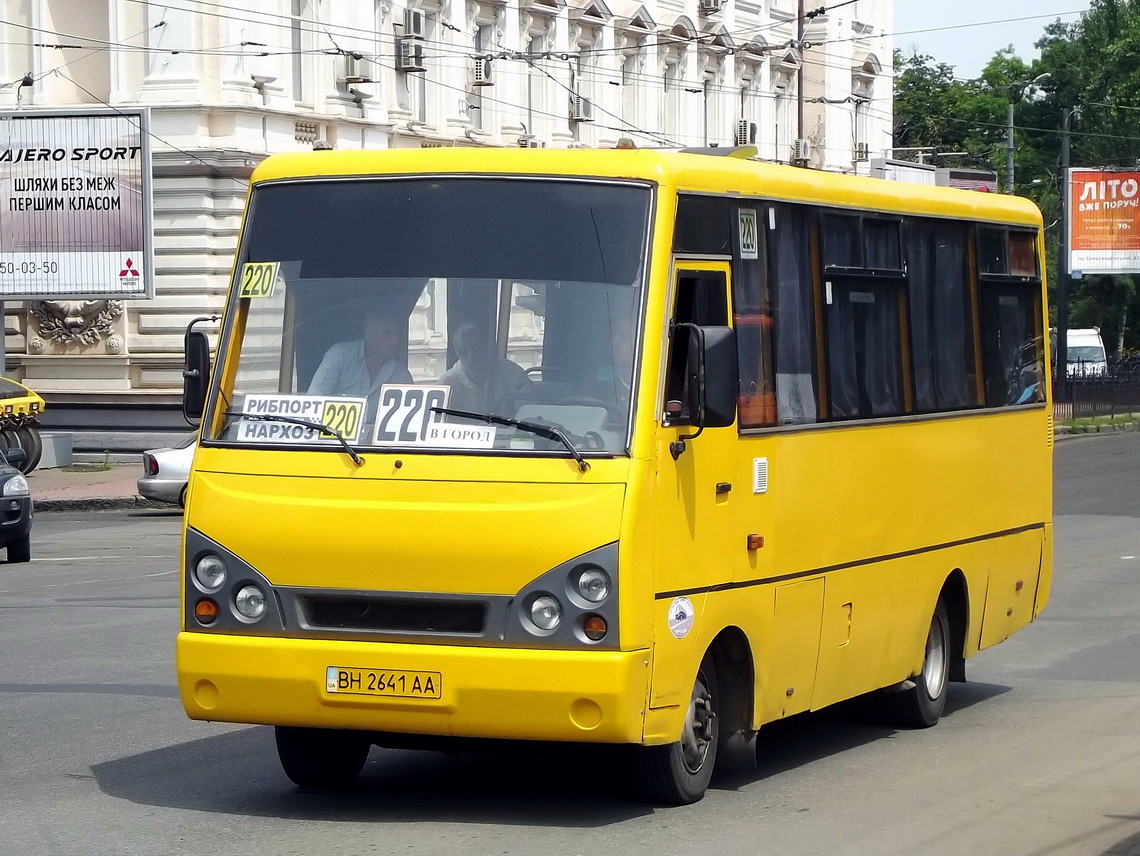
[(1020, 87)]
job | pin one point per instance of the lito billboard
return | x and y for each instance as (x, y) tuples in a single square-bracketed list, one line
[(1104, 222)]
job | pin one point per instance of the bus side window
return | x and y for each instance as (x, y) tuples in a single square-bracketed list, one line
[(864, 313), (941, 316), (790, 268), (752, 319), (702, 298), (1013, 338)]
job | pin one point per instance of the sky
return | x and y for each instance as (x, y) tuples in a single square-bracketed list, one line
[(968, 49)]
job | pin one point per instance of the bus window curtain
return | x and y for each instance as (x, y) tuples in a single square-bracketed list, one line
[(864, 355), (941, 321), (794, 325)]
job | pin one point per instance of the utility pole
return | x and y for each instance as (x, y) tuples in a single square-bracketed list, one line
[(1009, 148), (800, 71), (1062, 355)]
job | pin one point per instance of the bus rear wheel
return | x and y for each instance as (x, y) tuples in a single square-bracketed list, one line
[(679, 773), (921, 705), (321, 759)]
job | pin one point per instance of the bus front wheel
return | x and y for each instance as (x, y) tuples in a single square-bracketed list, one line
[(921, 705), (319, 758), (679, 773)]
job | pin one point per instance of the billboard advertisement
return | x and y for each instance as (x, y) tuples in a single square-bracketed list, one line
[(1104, 222), (75, 205)]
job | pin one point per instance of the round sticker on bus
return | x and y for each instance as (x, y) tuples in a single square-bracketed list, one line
[(680, 617)]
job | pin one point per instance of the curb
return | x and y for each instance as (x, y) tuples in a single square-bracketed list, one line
[(114, 503)]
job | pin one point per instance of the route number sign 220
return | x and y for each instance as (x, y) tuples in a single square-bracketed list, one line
[(258, 279)]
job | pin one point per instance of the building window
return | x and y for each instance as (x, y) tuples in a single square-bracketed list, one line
[(477, 106), (420, 84), (670, 120), (302, 26), (629, 92)]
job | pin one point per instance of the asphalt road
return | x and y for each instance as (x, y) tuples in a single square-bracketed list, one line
[(1039, 753)]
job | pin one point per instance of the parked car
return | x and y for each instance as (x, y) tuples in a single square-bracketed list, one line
[(165, 472), (15, 507)]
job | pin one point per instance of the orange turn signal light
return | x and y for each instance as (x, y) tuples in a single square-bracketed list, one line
[(594, 627), (206, 611), (755, 542)]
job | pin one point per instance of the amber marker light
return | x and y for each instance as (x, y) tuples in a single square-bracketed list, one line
[(594, 627), (206, 611)]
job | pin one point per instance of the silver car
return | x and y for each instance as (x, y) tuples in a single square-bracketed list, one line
[(165, 472)]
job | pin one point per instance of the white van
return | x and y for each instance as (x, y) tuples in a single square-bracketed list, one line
[(1086, 353)]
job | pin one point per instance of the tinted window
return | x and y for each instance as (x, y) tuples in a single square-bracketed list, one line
[(703, 226), (790, 248), (864, 349), (941, 316)]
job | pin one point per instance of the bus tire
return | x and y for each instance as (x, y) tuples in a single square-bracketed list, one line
[(679, 773), (321, 759), (33, 446), (921, 705)]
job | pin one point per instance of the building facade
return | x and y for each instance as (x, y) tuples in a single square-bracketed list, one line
[(229, 83)]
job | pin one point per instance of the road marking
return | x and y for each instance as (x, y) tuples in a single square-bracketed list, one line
[(1128, 557), (91, 558), (91, 582)]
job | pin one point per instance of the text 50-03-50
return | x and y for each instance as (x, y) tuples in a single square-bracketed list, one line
[(42, 268)]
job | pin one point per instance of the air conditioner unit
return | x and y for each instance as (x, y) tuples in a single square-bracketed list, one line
[(862, 151), (745, 133), (801, 150), (354, 69), (526, 141), (581, 109), (481, 75), (410, 55), (709, 7), (413, 24)]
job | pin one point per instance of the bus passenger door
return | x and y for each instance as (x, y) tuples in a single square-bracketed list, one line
[(702, 546)]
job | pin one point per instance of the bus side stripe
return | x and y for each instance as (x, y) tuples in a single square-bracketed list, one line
[(845, 565)]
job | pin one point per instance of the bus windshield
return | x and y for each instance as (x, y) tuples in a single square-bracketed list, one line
[(386, 308)]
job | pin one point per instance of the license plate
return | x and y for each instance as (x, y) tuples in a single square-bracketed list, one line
[(383, 682)]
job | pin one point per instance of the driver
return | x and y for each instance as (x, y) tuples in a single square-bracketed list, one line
[(479, 379)]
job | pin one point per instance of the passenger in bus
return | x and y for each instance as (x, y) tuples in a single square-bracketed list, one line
[(480, 382), (358, 368)]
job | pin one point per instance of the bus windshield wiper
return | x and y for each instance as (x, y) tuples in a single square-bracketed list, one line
[(548, 431), (308, 423)]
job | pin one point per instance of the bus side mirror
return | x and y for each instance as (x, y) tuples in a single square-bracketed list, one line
[(195, 374), (718, 393), (711, 381)]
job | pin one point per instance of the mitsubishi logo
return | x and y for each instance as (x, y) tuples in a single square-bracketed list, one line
[(129, 270)]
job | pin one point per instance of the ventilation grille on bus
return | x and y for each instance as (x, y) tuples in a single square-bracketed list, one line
[(377, 614), (1049, 430)]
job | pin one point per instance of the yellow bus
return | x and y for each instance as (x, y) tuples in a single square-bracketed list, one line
[(623, 447)]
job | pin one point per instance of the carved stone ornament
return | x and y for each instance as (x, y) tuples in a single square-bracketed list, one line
[(114, 344), (36, 345), (76, 322)]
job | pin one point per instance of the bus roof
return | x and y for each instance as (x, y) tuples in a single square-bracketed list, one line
[(681, 171)]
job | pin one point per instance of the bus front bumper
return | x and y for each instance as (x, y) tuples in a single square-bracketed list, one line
[(509, 693)]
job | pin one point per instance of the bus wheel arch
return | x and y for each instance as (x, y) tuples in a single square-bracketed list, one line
[(955, 595), (732, 659)]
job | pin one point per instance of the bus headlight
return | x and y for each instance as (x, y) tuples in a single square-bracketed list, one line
[(592, 584), (210, 572), (546, 612), (250, 602)]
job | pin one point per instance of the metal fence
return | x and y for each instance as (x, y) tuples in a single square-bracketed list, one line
[(1113, 392)]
